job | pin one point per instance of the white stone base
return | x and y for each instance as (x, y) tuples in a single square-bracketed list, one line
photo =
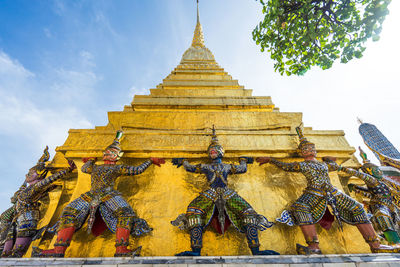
[(345, 260)]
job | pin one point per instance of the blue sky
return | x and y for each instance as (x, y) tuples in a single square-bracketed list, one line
[(64, 64)]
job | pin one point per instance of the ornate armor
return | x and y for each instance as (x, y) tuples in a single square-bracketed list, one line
[(219, 196), (382, 204), (6, 223), (113, 208), (26, 210), (102, 203), (220, 203), (27, 207), (311, 206)]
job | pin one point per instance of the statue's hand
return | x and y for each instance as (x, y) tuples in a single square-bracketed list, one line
[(72, 165), (157, 161), (177, 161), (249, 160), (329, 159), (263, 160), (351, 187), (333, 165), (87, 159)]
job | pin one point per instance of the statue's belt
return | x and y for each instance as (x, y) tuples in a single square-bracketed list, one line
[(101, 195), (322, 190), (219, 192)]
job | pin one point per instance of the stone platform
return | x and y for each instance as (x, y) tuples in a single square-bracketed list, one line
[(345, 260)]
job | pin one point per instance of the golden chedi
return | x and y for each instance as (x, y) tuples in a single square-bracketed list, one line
[(174, 121)]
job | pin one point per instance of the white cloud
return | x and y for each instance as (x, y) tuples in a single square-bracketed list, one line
[(135, 91), (35, 117), (74, 86), (13, 76), (103, 23), (36, 123), (59, 7), (47, 32), (87, 59), (71, 85), (12, 67)]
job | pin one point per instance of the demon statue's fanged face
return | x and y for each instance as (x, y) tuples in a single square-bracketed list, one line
[(372, 169), (216, 152), (307, 150), (35, 174), (368, 167), (112, 154), (31, 176)]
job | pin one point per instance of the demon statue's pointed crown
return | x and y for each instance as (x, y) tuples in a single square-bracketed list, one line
[(40, 167), (368, 167), (114, 150), (214, 144), (303, 140)]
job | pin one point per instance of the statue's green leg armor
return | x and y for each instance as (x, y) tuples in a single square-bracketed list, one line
[(392, 237)]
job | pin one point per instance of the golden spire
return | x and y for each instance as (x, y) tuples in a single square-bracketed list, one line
[(198, 37)]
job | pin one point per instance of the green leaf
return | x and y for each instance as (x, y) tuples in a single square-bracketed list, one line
[(375, 38), (299, 35)]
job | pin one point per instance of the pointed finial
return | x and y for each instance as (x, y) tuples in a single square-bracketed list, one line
[(119, 135), (198, 37), (303, 140), (214, 138), (198, 17), (299, 131), (46, 155), (363, 155), (214, 144), (359, 120)]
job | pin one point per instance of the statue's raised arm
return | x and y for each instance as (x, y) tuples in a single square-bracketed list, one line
[(103, 198), (27, 216), (311, 206), (382, 204), (178, 162), (242, 167), (218, 201), (289, 167)]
